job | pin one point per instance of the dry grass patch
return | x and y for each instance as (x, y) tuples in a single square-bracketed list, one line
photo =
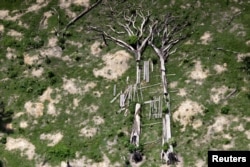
[(115, 65), (53, 138), (186, 112), (21, 144), (198, 73)]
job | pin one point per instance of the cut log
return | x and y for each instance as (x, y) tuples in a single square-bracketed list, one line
[(115, 98), (135, 134), (114, 90), (122, 100)]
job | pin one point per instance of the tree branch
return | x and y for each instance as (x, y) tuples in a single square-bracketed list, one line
[(87, 10)]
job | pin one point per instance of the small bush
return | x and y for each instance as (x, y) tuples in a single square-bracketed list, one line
[(120, 134), (61, 152), (165, 110), (165, 147), (131, 148), (132, 40), (225, 110), (3, 140), (172, 142)]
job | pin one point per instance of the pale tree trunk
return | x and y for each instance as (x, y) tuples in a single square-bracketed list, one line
[(138, 71), (163, 77)]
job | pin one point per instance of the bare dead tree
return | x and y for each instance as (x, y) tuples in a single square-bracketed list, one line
[(166, 34), (137, 28)]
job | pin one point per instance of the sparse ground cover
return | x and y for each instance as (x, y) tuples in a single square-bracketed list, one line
[(60, 89)]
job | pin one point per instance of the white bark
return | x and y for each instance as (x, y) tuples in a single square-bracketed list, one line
[(163, 77)]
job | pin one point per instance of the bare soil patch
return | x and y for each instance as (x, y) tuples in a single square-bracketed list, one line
[(75, 103), (88, 131), (34, 109), (52, 42), (240, 128), (206, 38), (198, 73), (173, 84), (115, 65), (76, 86), (26, 148), (220, 68), (15, 34), (241, 56), (67, 3), (182, 92), (89, 163), (200, 163), (1, 28), (5, 14), (37, 72), (217, 94), (247, 42), (53, 138), (95, 48), (30, 60), (221, 123), (11, 53), (97, 93), (23, 124), (78, 44), (98, 120), (92, 108), (247, 133), (51, 52), (186, 112)]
